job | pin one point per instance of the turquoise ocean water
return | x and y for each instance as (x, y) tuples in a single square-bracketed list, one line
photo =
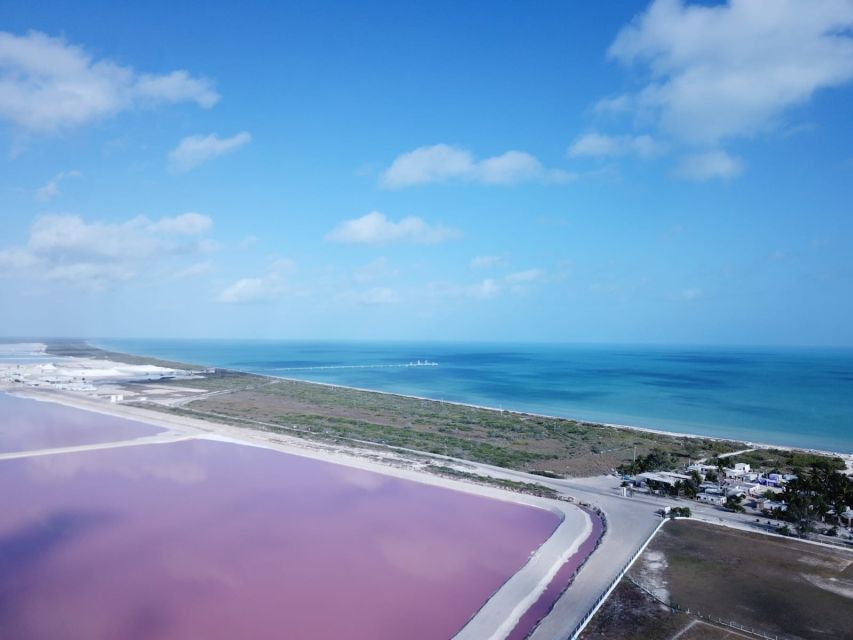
[(796, 397)]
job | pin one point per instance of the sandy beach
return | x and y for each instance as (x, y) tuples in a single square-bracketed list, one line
[(848, 457)]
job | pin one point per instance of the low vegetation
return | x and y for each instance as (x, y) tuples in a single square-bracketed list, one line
[(532, 488), (784, 461), (551, 447)]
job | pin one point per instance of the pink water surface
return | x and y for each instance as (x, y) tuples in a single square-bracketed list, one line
[(559, 582), (26, 425), (212, 540)]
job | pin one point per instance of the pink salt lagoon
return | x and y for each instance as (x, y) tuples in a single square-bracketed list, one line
[(202, 539), (27, 425)]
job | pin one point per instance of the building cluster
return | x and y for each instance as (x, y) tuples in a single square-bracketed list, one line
[(738, 482)]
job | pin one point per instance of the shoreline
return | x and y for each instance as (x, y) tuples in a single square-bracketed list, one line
[(630, 519), (846, 456)]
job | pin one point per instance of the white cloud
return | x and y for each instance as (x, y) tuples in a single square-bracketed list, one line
[(513, 167), (246, 290), (488, 288), (442, 162), (730, 70), (521, 281), (48, 85), (89, 276), (615, 105), (485, 262), (525, 277), (178, 86), (427, 164), (51, 189), (186, 224), (375, 228), (16, 258), (597, 145), (712, 164), (92, 255), (139, 237), (272, 286), (195, 150)]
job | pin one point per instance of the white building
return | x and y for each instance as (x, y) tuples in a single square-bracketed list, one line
[(740, 470)]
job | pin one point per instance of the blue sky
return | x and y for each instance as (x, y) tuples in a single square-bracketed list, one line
[(662, 172)]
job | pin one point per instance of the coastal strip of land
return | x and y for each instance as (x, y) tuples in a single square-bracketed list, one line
[(541, 456)]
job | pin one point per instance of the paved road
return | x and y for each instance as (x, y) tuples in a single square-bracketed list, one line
[(629, 524)]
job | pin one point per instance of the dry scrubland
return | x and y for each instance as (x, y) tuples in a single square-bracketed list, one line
[(781, 587), (512, 440)]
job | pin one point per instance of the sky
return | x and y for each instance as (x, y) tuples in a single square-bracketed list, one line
[(625, 172)]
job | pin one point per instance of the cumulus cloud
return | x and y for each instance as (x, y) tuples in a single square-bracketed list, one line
[(271, 286), (15, 259), (597, 145), (186, 224), (195, 150), (723, 71), (51, 189), (376, 228), (712, 164), (442, 162), (94, 255), (48, 85), (178, 86), (715, 73)]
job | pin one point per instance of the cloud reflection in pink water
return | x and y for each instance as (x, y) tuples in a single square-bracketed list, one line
[(212, 540)]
